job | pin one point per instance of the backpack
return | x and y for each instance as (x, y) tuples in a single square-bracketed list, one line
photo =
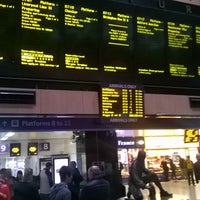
[(189, 164)]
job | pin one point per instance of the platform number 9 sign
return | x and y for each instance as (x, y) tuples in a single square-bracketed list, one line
[(3, 148)]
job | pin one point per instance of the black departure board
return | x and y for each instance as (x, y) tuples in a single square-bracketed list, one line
[(122, 103), (39, 34), (150, 45), (197, 49), (100, 42), (81, 50), (7, 26), (180, 52), (117, 42)]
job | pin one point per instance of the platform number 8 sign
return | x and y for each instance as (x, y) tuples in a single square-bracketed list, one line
[(44, 146)]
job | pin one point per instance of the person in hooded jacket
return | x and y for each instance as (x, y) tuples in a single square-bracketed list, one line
[(97, 188), (61, 191), (142, 178)]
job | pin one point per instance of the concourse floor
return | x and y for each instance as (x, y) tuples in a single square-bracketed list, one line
[(180, 189)]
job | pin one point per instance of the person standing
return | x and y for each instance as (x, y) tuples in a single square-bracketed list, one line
[(165, 169), (182, 165), (26, 189), (61, 191), (74, 185), (46, 181), (173, 168), (197, 168), (97, 188), (19, 176), (190, 170), (5, 189)]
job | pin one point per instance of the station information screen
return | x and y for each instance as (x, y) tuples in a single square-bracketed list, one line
[(121, 103), (81, 40), (7, 25), (117, 43), (39, 34), (100, 42)]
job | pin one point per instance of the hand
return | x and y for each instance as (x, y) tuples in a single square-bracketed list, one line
[(132, 197)]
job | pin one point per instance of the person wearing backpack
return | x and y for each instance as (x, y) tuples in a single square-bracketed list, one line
[(190, 170)]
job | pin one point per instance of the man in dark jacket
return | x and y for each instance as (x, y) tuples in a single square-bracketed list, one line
[(197, 168), (60, 191), (97, 188), (140, 176), (74, 186)]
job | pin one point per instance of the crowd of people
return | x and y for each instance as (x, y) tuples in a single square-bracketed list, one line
[(98, 186), (25, 186)]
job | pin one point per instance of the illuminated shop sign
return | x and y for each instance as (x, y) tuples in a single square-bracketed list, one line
[(15, 149), (191, 135), (130, 142), (32, 149)]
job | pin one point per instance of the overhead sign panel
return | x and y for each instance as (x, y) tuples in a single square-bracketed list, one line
[(101, 42)]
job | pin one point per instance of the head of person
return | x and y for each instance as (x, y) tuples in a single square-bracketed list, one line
[(28, 175), (72, 164), (141, 155), (65, 174), (4, 175), (19, 174), (187, 157), (48, 165), (94, 172), (198, 156)]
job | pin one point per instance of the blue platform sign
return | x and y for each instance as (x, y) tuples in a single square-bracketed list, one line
[(3, 148)]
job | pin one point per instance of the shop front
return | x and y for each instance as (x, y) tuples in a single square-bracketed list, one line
[(128, 148), (169, 144)]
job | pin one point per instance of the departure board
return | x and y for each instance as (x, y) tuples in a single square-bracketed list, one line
[(121, 102), (100, 42), (81, 41), (117, 43), (150, 45), (39, 35), (197, 49), (7, 28), (180, 49)]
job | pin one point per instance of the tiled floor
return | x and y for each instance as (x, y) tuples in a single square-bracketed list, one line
[(180, 189)]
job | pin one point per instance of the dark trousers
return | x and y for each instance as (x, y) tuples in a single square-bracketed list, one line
[(190, 176), (44, 196)]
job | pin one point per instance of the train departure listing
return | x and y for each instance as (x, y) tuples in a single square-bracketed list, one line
[(149, 26), (149, 42), (7, 4), (122, 103), (77, 62), (117, 38), (79, 17), (117, 27), (37, 58), (179, 35), (38, 16), (197, 33)]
